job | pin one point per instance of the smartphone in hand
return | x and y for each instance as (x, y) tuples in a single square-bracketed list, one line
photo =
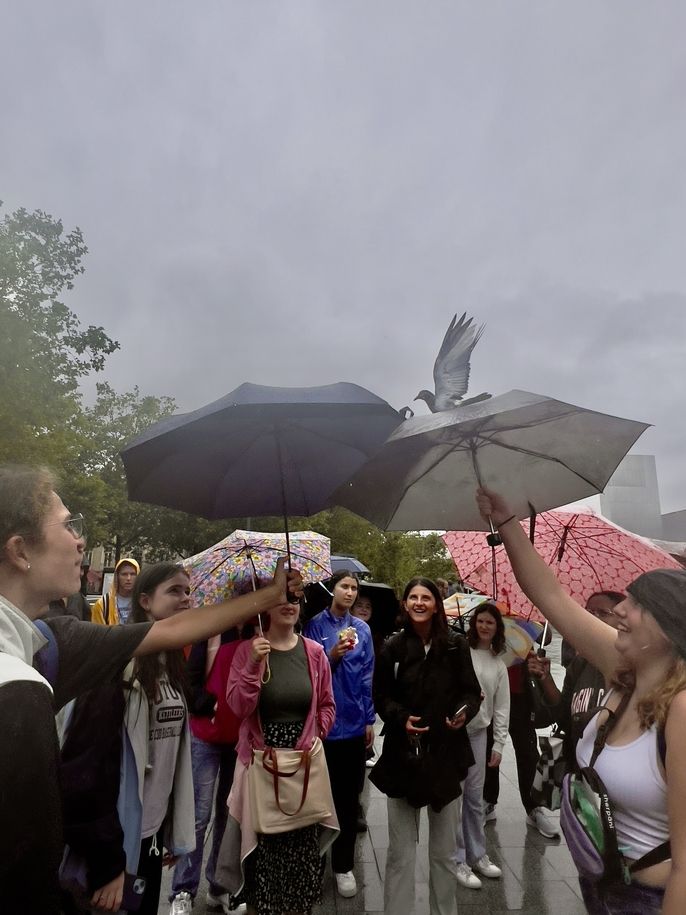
[(462, 709)]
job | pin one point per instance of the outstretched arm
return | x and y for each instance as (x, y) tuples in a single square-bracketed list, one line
[(592, 639), (200, 623)]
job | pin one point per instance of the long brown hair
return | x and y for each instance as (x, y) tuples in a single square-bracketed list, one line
[(498, 641), (149, 668)]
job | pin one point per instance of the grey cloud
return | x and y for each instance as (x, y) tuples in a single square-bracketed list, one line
[(303, 193)]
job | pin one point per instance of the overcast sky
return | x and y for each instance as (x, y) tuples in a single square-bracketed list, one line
[(305, 192)]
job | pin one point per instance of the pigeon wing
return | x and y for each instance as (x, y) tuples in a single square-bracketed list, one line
[(451, 369)]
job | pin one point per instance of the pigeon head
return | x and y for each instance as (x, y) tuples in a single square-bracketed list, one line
[(428, 398)]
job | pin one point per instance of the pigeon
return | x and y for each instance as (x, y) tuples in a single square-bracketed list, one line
[(451, 369)]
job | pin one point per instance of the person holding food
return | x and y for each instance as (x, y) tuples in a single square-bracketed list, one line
[(348, 644)]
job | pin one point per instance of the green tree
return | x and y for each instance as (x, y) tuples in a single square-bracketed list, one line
[(136, 527), (44, 352)]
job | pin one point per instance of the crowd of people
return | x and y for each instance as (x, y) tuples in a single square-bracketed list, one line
[(124, 734)]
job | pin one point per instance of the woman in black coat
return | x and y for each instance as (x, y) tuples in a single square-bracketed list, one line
[(425, 690)]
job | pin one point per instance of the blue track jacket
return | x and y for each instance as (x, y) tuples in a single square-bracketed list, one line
[(352, 675)]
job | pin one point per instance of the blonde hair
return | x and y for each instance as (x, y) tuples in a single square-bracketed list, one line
[(653, 708)]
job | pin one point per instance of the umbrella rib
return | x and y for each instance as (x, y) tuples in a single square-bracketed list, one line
[(472, 445), (545, 457)]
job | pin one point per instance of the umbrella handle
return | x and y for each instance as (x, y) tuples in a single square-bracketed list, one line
[(493, 539), (267, 675)]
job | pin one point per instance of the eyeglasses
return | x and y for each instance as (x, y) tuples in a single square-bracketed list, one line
[(603, 614), (74, 524)]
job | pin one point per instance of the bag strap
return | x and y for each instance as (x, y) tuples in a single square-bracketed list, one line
[(47, 659), (662, 853), (606, 727), (271, 764)]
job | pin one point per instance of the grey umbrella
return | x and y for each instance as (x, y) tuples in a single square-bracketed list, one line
[(541, 452), (258, 450)]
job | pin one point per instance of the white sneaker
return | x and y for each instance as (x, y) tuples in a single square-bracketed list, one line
[(466, 877), (181, 904), (346, 884), (540, 819), (490, 813), (487, 868)]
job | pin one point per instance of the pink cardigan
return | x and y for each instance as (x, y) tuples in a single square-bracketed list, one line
[(243, 696)]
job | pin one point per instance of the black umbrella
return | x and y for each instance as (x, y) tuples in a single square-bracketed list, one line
[(259, 451), (348, 564)]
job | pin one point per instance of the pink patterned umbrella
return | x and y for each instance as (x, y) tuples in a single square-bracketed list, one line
[(586, 551)]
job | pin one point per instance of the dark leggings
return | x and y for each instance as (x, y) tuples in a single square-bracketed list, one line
[(150, 869), (345, 760), (525, 745)]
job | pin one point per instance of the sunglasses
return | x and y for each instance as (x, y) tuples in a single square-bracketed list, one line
[(74, 524)]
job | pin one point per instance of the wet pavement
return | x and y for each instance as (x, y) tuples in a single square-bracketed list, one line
[(538, 874)]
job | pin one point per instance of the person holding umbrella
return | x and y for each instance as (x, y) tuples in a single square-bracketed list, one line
[(348, 644), (644, 661), (41, 549)]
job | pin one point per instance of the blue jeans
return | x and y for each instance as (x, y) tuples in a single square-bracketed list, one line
[(471, 840), (209, 761), (619, 899)]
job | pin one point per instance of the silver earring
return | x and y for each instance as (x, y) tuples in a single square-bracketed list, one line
[(28, 566)]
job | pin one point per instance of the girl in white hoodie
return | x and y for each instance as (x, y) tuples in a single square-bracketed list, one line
[(486, 641)]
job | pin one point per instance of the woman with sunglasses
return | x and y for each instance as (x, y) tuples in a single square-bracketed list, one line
[(41, 548), (641, 763)]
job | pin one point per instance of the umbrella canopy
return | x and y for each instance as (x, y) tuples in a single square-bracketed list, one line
[(259, 450), (541, 452), (348, 563), (245, 557), (586, 551)]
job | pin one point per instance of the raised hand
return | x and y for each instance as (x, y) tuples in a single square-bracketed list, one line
[(492, 505)]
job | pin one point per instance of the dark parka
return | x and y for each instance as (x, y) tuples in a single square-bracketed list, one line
[(433, 685)]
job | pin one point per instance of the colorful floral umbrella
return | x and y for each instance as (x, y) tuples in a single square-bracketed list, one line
[(245, 557), (586, 551)]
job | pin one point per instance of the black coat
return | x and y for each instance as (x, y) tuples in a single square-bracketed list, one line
[(433, 685)]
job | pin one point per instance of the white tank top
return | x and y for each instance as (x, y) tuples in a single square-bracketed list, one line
[(636, 788)]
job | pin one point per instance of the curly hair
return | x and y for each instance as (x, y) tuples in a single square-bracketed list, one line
[(653, 708), (498, 643)]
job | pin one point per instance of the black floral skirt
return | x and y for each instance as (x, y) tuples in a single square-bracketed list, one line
[(284, 873)]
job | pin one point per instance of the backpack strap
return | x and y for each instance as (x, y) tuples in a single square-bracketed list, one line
[(47, 659)]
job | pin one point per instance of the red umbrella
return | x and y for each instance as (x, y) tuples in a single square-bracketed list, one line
[(586, 551)]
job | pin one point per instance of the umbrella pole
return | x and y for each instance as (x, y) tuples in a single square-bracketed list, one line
[(279, 454)]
